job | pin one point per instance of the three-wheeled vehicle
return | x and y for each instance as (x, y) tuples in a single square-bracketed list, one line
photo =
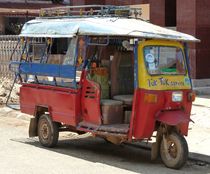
[(97, 69)]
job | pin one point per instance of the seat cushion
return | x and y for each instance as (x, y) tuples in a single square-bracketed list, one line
[(126, 99), (112, 111), (108, 102)]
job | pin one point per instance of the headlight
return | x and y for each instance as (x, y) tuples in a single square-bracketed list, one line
[(177, 96)]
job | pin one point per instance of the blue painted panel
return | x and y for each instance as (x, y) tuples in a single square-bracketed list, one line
[(67, 71), (64, 71), (39, 69), (186, 51)]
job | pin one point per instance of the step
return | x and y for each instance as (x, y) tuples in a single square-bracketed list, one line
[(202, 90), (201, 82), (115, 128)]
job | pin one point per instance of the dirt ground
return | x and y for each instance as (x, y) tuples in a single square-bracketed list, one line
[(5, 87), (199, 132)]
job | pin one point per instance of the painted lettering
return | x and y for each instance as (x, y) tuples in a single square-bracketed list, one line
[(152, 82), (164, 82)]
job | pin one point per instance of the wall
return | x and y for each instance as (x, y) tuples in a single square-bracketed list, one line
[(190, 16), (2, 25), (193, 18), (170, 13), (203, 33), (186, 22), (157, 7)]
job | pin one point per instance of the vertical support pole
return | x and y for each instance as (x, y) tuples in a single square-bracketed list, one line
[(136, 65), (135, 89), (187, 61)]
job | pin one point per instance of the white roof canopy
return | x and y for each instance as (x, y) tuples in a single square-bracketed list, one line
[(100, 26)]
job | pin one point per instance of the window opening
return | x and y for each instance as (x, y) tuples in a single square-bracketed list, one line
[(40, 63), (164, 60)]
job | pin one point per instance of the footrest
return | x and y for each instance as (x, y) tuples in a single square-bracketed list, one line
[(115, 128)]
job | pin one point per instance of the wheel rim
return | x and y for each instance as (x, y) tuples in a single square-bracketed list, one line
[(44, 130), (172, 149)]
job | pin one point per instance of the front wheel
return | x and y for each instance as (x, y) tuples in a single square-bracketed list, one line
[(174, 151), (48, 131)]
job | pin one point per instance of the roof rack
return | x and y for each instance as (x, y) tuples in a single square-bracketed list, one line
[(91, 10)]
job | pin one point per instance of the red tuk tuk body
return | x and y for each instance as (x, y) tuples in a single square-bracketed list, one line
[(69, 106), (122, 82)]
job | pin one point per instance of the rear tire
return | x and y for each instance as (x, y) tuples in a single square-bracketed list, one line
[(176, 154), (48, 131)]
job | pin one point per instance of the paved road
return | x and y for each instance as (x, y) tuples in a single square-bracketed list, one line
[(19, 155)]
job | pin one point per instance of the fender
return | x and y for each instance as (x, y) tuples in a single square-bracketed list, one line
[(39, 110), (33, 127), (173, 117)]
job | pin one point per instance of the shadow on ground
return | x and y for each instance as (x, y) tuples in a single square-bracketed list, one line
[(99, 151)]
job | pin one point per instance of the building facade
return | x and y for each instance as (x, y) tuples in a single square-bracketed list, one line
[(188, 16), (14, 13)]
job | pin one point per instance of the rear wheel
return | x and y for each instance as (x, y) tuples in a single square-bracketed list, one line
[(174, 151), (48, 131)]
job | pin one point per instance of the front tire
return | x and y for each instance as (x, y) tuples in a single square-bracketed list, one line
[(48, 131), (176, 153)]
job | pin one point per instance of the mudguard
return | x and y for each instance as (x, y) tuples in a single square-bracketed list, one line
[(33, 127), (173, 117)]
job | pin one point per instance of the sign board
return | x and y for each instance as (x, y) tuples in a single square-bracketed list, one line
[(145, 11)]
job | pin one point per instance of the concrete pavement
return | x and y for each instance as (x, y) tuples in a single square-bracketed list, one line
[(199, 132), (76, 154)]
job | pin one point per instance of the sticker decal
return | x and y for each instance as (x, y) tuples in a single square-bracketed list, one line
[(187, 81), (150, 58)]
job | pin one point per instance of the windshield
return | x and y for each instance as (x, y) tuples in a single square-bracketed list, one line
[(164, 60)]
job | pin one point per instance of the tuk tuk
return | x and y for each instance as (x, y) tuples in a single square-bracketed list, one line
[(101, 69)]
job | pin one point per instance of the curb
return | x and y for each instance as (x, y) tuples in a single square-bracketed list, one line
[(199, 157)]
